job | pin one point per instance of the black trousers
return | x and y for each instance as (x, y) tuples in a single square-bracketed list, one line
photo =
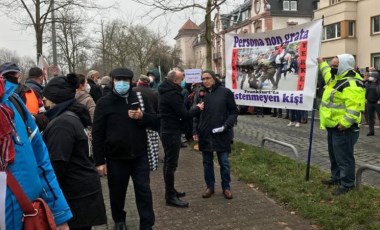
[(119, 172), (372, 108), (172, 146)]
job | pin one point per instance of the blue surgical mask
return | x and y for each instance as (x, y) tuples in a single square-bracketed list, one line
[(122, 87), (183, 84)]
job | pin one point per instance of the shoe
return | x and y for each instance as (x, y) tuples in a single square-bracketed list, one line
[(227, 194), (180, 194), (120, 226), (279, 116), (208, 193), (341, 191), (297, 124), (370, 134), (291, 124), (183, 145), (286, 117), (176, 202), (330, 182), (273, 115)]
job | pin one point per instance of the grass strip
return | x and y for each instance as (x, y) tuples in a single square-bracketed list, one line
[(283, 179)]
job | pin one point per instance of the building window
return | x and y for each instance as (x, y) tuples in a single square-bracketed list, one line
[(331, 31), (376, 61), (375, 21), (351, 29), (332, 2), (289, 5)]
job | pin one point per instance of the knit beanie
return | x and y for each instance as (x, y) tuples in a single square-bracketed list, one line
[(212, 73), (60, 89)]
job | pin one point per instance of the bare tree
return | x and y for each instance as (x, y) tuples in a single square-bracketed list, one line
[(38, 12), (170, 6), (72, 42)]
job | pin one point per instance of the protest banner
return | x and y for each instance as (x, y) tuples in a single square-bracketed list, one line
[(274, 69), (193, 75)]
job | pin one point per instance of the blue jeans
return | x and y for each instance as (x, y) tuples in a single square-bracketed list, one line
[(341, 153), (208, 167)]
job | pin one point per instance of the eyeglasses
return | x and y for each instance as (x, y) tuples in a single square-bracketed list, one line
[(206, 78)]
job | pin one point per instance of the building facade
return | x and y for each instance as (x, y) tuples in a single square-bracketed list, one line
[(351, 26), (256, 16), (192, 45)]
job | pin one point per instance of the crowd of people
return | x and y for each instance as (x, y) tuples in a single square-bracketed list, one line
[(76, 128), (58, 137)]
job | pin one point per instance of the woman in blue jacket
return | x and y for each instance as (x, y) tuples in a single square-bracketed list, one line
[(31, 166)]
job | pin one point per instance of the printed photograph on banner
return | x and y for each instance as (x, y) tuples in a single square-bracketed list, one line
[(276, 68)]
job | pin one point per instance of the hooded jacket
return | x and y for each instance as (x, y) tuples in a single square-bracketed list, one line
[(155, 84), (172, 108), (343, 99), (114, 134), (32, 169)]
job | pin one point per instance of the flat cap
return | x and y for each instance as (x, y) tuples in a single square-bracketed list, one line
[(121, 72)]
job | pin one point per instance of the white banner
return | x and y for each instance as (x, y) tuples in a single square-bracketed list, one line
[(274, 69)]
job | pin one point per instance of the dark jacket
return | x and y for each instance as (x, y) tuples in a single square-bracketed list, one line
[(95, 91), (68, 146), (114, 134), (37, 88), (150, 97), (172, 108), (219, 110)]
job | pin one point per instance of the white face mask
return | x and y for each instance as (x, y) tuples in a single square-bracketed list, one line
[(87, 88)]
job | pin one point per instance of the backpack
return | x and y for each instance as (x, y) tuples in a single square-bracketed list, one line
[(7, 133)]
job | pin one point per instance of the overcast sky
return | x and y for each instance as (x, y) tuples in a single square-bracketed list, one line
[(21, 40)]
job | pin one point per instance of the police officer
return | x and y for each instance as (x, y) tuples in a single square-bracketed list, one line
[(342, 104)]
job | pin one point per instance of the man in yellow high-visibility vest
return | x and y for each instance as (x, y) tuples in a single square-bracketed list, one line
[(343, 102)]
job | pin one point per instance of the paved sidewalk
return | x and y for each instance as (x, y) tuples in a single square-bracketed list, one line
[(249, 209)]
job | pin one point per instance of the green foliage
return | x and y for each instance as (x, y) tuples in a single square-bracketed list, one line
[(284, 180)]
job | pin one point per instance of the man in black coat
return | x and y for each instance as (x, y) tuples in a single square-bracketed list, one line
[(213, 129), (173, 112), (119, 139), (96, 90)]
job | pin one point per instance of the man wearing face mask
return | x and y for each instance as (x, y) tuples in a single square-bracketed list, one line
[(120, 142), (341, 108), (373, 99)]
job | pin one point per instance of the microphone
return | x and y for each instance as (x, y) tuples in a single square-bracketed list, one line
[(202, 94)]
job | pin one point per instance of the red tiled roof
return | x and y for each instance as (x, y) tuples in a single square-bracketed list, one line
[(189, 25)]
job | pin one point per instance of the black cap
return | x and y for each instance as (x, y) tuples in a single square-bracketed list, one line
[(121, 72)]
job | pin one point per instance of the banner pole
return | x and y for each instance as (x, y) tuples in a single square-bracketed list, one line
[(310, 141), (307, 177)]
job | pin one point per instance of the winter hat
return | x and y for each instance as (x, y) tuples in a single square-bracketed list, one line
[(60, 89), (9, 67), (145, 79), (121, 72), (212, 73), (105, 80)]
